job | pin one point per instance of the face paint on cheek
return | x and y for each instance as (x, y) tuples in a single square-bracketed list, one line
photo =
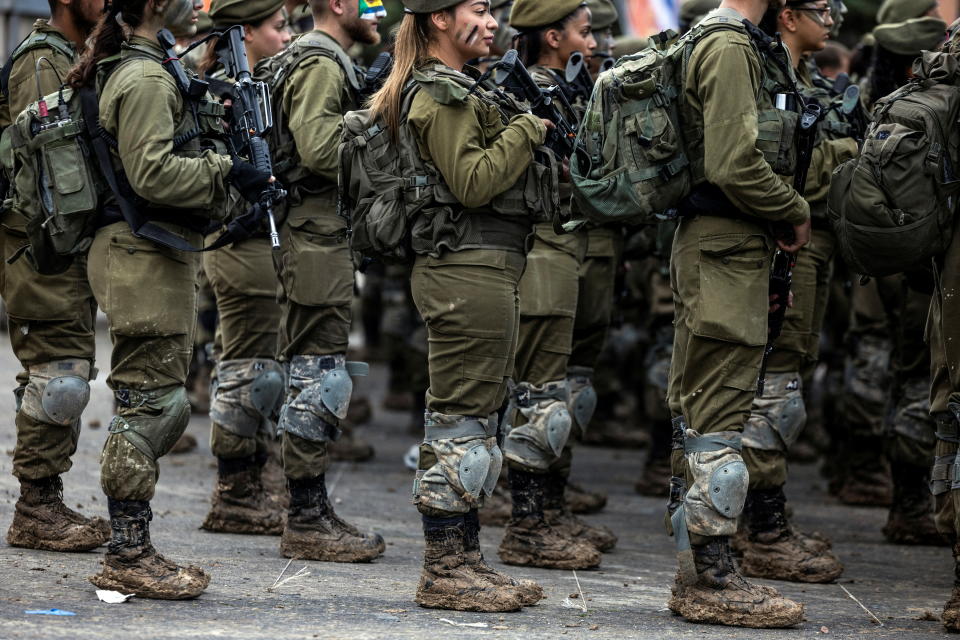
[(472, 35), (179, 18), (372, 9)]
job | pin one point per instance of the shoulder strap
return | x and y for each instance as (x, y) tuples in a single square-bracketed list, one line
[(325, 45), (240, 229), (31, 42)]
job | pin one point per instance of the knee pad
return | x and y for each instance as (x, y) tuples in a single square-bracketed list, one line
[(539, 442), (583, 397), (324, 388), (715, 500), (776, 419), (468, 463), (249, 392), (57, 391), (867, 374), (152, 421)]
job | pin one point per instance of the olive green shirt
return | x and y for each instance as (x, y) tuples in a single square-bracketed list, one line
[(24, 74), (477, 154), (316, 97), (722, 84), (141, 106)]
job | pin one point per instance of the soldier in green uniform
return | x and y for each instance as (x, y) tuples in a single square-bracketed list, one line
[(470, 243), (604, 16), (314, 85), (771, 548), (542, 531), (250, 382), (943, 333), (51, 318), (720, 268), (148, 289)]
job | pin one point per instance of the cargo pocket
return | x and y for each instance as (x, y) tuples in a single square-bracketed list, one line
[(150, 291), (734, 289), (318, 265), (769, 133)]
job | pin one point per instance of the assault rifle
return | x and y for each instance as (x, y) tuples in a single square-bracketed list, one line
[(376, 74), (510, 74), (251, 119), (781, 272)]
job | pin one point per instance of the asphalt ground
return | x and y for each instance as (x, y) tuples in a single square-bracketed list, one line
[(905, 587)]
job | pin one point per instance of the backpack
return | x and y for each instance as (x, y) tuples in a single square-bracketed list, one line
[(385, 183), (892, 207), (634, 162), (47, 39)]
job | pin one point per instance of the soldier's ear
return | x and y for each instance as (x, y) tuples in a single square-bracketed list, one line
[(336, 6), (552, 38)]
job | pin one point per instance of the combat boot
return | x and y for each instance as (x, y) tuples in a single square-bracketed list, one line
[(132, 565), (530, 541), (773, 550), (240, 503), (865, 477), (42, 521), (447, 582), (582, 501), (529, 591), (314, 532), (951, 610), (271, 475), (559, 516), (720, 595), (911, 515)]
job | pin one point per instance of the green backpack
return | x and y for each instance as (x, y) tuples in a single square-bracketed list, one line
[(892, 208), (633, 166), (51, 163)]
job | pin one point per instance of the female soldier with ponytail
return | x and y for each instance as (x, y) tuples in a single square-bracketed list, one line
[(147, 288), (542, 531), (469, 257)]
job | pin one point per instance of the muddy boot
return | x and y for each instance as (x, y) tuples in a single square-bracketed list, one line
[(42, 521), (720, 595), (655, 481), (774, 551), (529, 591), (132, 565), (911, 515), (350, 447), (497, 508), (272, 478), (529, 541), (240, 504), (951, 610), (561, 518), (314, 532), (582, 501), (447, 582), (867, 479)]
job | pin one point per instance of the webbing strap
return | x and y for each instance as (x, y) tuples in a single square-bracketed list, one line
[(463, 428), (707, 443)]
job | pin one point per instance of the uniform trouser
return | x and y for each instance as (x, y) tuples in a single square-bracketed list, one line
[(598, 272), (470, 303), (149, 294), (943, 332), (50, 318), (719, 273), (798, 347), (316, 276), (403, 333), (245, 286), (548, 304)]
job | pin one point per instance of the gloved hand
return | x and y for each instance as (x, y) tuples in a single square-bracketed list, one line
[(248, 180)]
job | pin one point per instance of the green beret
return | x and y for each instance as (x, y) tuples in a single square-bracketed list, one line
[(429, 6), (691, 11), (204, 22), (604, 14), (226, 13), (532, 14), (910, 37), (900, 10)]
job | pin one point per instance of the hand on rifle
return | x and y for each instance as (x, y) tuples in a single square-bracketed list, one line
[(799, 238), (775, 304)]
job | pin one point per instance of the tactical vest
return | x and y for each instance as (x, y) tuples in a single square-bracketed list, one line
[(198, 129), (42, 40), (275, 71)]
